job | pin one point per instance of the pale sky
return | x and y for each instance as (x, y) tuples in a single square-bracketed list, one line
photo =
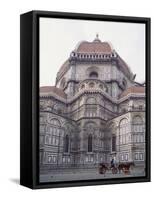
[(58, 37)]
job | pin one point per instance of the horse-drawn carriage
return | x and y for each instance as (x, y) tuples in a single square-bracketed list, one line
[(117, 168)]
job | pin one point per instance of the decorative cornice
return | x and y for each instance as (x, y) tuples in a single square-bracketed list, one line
[(92, 91)]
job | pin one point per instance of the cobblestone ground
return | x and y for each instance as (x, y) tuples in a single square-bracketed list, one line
[(54, 177)]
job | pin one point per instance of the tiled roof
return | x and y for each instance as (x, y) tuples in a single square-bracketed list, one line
[(94, 47), (133, 89), (48, 89)]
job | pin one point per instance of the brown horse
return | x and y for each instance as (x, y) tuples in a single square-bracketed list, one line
[(102, 168), (125, 167)]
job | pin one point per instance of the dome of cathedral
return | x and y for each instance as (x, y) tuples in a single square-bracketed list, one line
[(85, 47), (94, 47)]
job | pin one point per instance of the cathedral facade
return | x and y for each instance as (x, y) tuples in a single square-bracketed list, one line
[(95, 111)]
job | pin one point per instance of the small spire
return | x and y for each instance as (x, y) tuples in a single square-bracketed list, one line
[(97, 38)]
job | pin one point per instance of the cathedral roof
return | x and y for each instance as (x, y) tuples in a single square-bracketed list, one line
[(90, 47), (95, 46), (133, 89), (57, 91)]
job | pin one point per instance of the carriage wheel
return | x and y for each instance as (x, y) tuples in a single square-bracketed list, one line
[(114, 171)]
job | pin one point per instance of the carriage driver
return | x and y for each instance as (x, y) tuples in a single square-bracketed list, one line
[(113, 162)]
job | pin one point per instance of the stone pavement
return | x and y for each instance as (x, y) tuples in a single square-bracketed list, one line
[(54, 177)]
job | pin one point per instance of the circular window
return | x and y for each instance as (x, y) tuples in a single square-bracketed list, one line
[(82, 86), (101, 86), (91, 85)]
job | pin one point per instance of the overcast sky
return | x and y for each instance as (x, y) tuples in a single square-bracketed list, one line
[(58, 37)]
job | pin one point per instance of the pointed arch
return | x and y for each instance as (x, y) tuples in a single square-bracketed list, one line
[(123, 129), (123, 125), (55, 122), (55, 131)]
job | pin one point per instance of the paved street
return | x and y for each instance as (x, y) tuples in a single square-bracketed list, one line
[(52, 177)]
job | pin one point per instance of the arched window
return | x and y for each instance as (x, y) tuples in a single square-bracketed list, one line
[(55, 130), (91, 107), (112, 131), (90, 129), (93, 75), (138, 129), (123, 126), (66, 144), (137, 124), (90, 143), (55, 122), (47, 139)]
